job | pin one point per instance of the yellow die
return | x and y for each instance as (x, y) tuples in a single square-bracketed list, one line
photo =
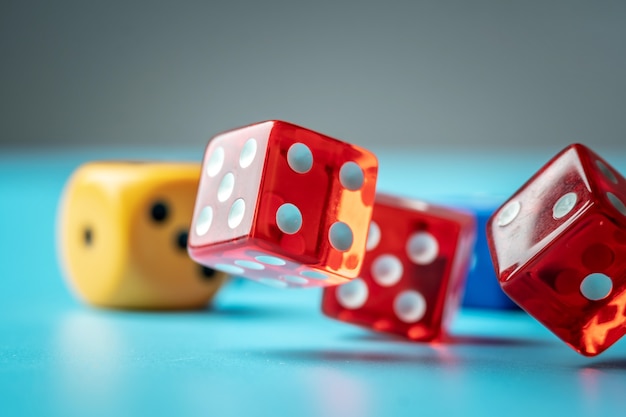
[(122, 236)]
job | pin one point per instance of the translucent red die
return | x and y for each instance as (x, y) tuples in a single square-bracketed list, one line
[(559, 249), (415, 266), (283, 205)]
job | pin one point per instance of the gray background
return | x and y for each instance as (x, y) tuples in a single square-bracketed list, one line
[(470, 74)]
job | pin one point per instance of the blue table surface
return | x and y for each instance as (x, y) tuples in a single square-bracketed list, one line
[(259, 351)]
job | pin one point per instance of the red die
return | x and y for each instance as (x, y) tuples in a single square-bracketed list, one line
[(412, 279), (283, 205), (559, 249)]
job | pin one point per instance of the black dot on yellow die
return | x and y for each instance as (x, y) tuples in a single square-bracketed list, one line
[(88, 236), (206, 272), (159, 212), (181, 240)]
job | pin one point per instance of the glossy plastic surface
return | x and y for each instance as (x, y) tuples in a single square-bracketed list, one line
[(122, 232), (283, 205), (559, 247), (412, 279)]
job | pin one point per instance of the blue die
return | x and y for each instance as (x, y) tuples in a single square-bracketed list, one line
[(482, 289)]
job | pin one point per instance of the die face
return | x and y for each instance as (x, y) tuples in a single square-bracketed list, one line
[(413, 274), (228, 193), (313, 186), (551, 201), (92, 250), (574, 282), (608, 185), (578, 289), (311, 202), (161, 273), (120, 228)]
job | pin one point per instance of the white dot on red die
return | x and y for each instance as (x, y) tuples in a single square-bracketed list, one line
[(409, 306), (617, 203), (249, 264), (353, 294), (294, 279), (229, 269), (373, 236), (270, 260), (248, 152), (351, 176), (236, 213), (422, 248), (314, 275), (300, 158), (272, 282), (340, 236), (596, 286), (387, 270), (226, 187), (606, 171), (564, 205), (215, 162), (289, 218), (508, 213), (204, 220)]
